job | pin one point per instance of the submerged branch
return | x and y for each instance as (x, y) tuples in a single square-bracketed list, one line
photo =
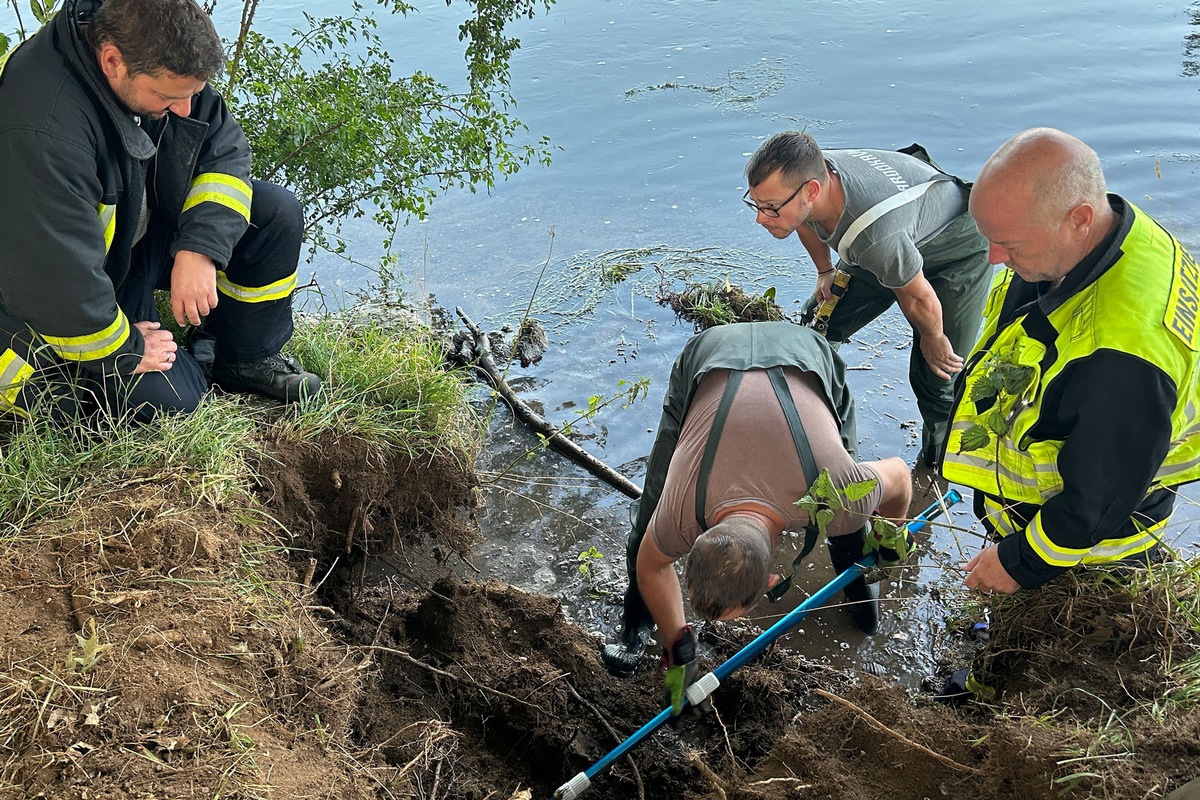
[(487, 367)]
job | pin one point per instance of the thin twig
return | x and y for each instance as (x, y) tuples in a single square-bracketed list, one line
[(637, 776), (443, 673), (949, 762)]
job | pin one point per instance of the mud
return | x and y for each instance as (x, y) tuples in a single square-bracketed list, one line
[(234, 666)]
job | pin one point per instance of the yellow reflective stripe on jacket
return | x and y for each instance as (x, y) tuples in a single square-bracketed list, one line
[(1047, 550), (1153, 310), (251, 294), (93, 346), (1116, 549), (1158, 314), (996, 515), (108, 218), (1106, 551), (14, 371), (225, 190)]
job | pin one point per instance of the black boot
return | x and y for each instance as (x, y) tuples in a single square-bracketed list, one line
[(863, 607), (277, 376), (622, 657)]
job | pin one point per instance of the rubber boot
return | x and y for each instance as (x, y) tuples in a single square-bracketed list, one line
[(621, 658), (863, 607)]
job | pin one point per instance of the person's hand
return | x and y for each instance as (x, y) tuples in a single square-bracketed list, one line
[(193, 287), (681, 671), (987, 574), (824, 292), (941, 356), (160, 347)]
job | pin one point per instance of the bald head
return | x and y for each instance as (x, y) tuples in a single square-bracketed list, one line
[(1049, 171), (1040, 201)]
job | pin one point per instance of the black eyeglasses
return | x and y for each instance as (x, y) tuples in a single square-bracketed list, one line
[(768, 210)]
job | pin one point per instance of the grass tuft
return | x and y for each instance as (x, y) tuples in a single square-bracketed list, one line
[(387, 387)]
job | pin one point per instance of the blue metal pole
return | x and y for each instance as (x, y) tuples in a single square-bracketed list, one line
[(579, 784)]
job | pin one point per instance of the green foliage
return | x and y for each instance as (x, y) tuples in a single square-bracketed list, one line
[(823, 499), (328, 117), (1001, 390), (90, 649), (46, 466), (382, 384), (40, 11), (585, 559)]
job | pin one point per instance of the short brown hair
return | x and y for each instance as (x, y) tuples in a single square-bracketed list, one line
[(155, 35), (728, 566), (794, 154)]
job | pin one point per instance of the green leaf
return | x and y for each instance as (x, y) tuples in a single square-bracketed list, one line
[(974, 438), (769, 294), (996, 422), (824, 491), (824, 517), (986, 387), (859, 490), (1015, 379)]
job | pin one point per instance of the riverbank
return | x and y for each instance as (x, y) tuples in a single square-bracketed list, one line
[(260, 602)]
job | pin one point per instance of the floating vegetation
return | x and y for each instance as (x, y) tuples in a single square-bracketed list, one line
[(573, 288), (709, 305), (742, 89)]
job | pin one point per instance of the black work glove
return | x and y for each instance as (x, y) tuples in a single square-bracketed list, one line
[(680, 671)]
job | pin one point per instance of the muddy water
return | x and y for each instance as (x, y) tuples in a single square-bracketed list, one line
[(656, 104)]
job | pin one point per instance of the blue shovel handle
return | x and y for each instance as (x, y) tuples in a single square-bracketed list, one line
[(705, 685)]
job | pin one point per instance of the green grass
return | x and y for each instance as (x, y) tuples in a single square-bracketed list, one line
[(45, 466), (387, 388)]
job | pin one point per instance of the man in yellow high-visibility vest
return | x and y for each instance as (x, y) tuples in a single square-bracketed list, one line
[(1079, 412)]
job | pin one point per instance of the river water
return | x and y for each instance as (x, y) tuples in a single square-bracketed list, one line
[(655, 106)]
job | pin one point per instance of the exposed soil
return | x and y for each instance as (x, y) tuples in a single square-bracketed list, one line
[(237, 668)]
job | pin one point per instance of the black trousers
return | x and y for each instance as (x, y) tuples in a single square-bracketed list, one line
[(245, 326)]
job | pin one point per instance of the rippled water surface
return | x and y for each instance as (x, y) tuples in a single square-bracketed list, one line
[(656, 106)]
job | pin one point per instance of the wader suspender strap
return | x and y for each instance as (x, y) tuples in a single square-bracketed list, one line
[(799, 439), (879, 209), (710, 446), (804, 450)]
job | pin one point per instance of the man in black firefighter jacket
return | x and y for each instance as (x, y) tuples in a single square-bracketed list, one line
[(124, 174)]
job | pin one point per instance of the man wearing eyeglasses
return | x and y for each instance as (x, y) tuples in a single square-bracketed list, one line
[(901, 230)]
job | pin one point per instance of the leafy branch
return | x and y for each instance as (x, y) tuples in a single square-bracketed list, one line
[(824, 500), (1001, 392)]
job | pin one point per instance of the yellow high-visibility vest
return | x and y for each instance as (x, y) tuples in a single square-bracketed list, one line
[(1145, 312)]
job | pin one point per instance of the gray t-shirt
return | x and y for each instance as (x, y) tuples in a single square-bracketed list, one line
[(889, 248)]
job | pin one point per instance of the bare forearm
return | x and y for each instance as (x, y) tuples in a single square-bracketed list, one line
[(660, 589), (818, 251), (923, 311)]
